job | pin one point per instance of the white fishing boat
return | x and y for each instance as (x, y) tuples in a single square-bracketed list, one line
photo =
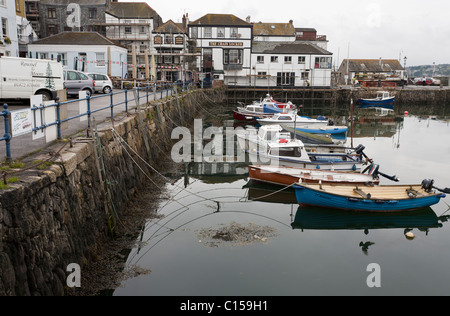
[(292, 119), (270, 145)]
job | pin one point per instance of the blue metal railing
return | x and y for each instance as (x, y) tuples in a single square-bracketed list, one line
[(148, 93)]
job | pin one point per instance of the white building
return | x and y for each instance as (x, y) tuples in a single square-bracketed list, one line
[(290, 64), (132, 25), (9, 45), (225, 43), (84, 51)]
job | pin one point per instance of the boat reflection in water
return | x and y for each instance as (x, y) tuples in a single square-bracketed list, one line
[(318, 218)]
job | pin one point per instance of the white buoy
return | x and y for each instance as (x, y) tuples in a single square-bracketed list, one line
[(409, 235)]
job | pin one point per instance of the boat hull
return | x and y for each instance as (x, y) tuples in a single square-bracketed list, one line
[(333, 130), (316, 197), (372, 103), (248, 117), (287, 176)]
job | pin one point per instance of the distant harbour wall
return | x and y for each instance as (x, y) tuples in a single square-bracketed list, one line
[(337, 101), (58, 216)]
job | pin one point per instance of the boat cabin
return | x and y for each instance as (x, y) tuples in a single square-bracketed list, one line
[(382, 95)]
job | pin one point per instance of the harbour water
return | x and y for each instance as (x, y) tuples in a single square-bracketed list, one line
[(218, 234)]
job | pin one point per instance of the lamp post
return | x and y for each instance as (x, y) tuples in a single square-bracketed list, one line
[(405, 75)]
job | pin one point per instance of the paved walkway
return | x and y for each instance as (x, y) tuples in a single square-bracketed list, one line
[(24, 145)]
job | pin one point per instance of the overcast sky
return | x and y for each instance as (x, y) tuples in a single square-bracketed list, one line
[(391, 29)]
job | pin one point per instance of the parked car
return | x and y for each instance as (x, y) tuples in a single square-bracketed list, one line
[(76, 81), (102, 82)]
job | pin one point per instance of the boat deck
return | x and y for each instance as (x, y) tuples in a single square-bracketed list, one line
[(386, 192)]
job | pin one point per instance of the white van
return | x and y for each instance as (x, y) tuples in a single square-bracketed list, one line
[(22, 77)]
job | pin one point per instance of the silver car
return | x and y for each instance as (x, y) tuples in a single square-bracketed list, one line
[(102, 82), (76, 81)]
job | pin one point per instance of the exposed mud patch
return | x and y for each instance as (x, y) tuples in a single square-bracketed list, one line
[(235, 234)]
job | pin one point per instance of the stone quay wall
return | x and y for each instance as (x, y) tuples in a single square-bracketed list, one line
[(54, 217)]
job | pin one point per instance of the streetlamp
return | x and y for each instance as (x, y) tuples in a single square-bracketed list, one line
[(405, 74)]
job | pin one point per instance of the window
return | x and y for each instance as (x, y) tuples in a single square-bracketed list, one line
[(260, 59), (142, 29), (92, 13), (274, 59), (286, 79), (194, 32), (301, 59), (179, 40), (142, 49), (52, 29), (5, 26), (262, 74), (220, 32), (323, 63), (100, 59), (158, 39), (208, 32), (287, 59), (167, 59), (169, 39), (232, 57), (127, 29), (62, 58), (3, 3), (51, 13), (234, 32), (72, 75), (305, 75)]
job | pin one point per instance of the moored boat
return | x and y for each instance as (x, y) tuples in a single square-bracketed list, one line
[(292, 119), (382, 100), (382, 198), (289, 175), (269, 145), (314, 129)]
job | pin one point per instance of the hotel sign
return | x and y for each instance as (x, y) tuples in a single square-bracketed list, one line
[(226, 44)]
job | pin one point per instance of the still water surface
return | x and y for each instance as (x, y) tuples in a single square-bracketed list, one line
[(308, 251)]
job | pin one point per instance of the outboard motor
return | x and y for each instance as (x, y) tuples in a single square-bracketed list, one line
[(428, 185), (375, 173)]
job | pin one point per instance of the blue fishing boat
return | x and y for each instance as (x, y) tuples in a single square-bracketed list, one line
[(382, 100), (332, 130), (383, 198)]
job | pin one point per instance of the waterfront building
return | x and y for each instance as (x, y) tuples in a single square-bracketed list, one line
[(83, 51), (289, 65), (9, 45), (173, 51), (374, 72), (132, 24), (225, 43), (57, 16), (25, 32)]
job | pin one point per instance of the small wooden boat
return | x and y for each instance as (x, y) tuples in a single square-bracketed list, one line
[(382, 100), (289, 175), (383, 198)]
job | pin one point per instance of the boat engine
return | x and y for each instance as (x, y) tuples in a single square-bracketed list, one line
[(375, 172), (428, 185)]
